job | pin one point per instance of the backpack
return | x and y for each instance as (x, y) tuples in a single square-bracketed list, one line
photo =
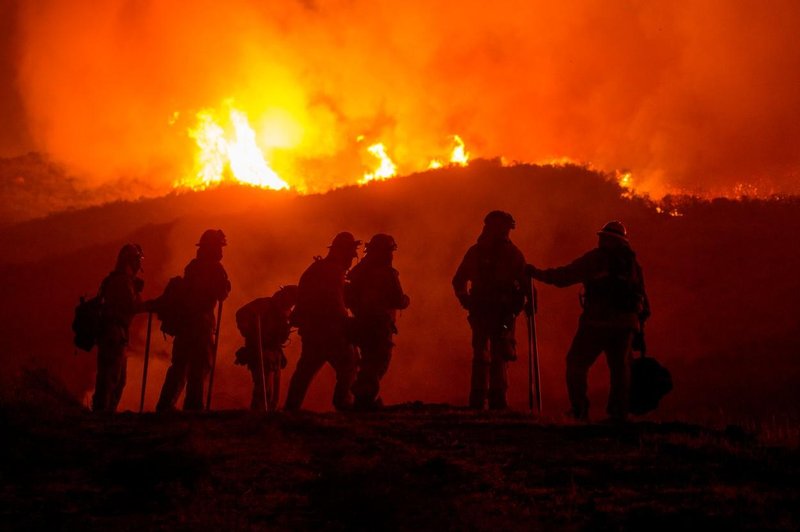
[(504, 299), (87, 322), (171, 304), (622, 288), (245, 319), (650, 381)]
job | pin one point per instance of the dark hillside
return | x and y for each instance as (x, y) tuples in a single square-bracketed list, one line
[(721, 277)]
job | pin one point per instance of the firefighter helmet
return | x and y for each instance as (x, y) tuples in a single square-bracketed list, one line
[(345, 242), (614, 229), (381, 242), (500, 218), (212, 238), (287, 294), (130, 255)]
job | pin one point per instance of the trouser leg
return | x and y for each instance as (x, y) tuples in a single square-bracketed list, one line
[(344, 363), (110, 378), (375, 358), (586, 347), (201, 345), (120, 374), (308, 365), (272, 373), (503, 349), (257, 401), (100, 399), (618, 357), (481, 361), (175, 380)]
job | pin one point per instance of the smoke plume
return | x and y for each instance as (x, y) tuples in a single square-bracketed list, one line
[(689, 96)]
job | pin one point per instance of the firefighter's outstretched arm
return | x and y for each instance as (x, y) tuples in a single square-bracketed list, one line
[(580, 270)]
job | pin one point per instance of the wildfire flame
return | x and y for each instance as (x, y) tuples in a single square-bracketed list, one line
[(459, 156), (386, 169), (228, 155)]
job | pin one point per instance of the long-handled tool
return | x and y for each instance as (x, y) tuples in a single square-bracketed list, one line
[(214, 359), (276, 388), (261, 361), (533, 355), (146, 359)]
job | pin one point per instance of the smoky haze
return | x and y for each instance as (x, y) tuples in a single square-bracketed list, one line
[(692, 96)]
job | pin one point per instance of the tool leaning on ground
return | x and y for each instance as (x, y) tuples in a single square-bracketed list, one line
[(261, 361), (533, 352), (146, 359), (214, 359)]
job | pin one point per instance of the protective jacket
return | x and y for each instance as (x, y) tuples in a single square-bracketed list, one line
[(206, 283), (121, 301), (374, 291), (275, 328), (495, 271), (613, 286), (320, 297)]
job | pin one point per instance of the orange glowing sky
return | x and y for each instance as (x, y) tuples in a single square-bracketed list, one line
[(702, 96)]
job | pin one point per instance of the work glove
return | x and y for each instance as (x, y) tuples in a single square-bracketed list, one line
[(532, 271), (242, 356), (138, 284), (151, 305), (638, 343)]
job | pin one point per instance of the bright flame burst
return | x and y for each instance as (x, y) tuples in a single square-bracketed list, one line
[(227, 151), (234, 150), (386, 169), (459, 157)]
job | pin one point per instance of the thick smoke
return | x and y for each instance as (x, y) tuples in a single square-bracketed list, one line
[(694, 96)]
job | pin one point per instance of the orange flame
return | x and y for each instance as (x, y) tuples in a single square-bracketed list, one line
[(458, 157), (386, 169), (231, 155)]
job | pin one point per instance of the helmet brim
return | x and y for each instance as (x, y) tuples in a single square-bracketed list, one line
[(613, 234)]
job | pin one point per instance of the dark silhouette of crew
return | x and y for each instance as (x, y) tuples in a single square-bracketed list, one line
[(266, 318), (614, 305), (205, 283), (374, 295), (121, 300), (492, 285), (324, 324)]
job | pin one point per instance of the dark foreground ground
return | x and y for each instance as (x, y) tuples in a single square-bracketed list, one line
[(411, 467)]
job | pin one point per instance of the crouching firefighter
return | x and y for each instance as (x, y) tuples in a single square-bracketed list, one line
[(264, 324), (492, 285), (195, 296), (120, 294), (374, 295), (614, 307)]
